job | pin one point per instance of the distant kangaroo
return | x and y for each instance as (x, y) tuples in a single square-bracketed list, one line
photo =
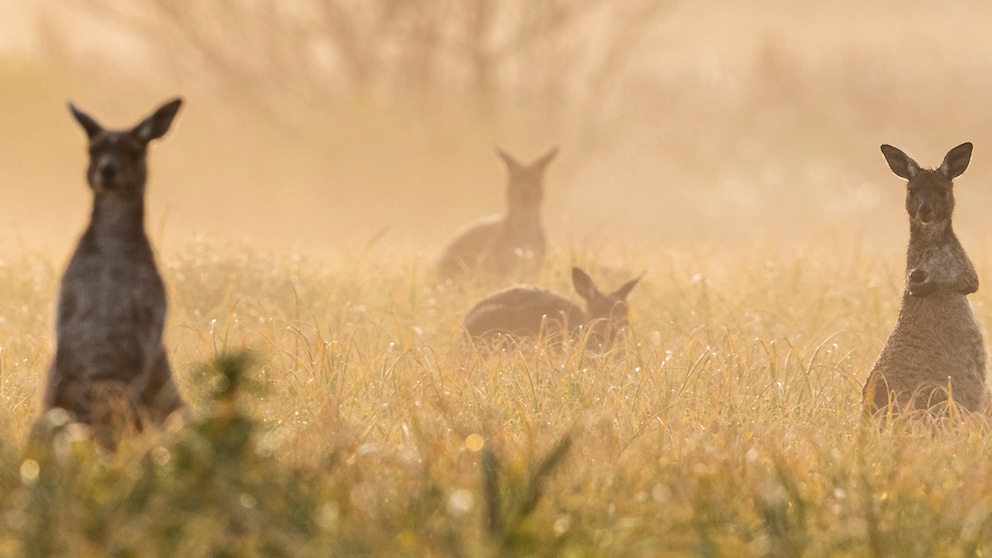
[(111, 308), (522, 312), (937, 348), (504, 244)]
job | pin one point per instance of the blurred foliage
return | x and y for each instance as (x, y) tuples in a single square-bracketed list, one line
[(204, 490)]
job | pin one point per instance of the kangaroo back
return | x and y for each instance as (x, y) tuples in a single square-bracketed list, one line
[(937, 350), (528, 312), (112, 303), (510, 244), (523, 312)]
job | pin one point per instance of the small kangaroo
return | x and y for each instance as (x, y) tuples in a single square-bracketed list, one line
[(112, 305), (531, 312), (504, 244), (937, 349)]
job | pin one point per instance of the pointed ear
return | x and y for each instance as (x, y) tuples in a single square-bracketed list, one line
[(539, 164), (510, 162), (900, 163), (956, 161), (91, 126), (625, 289), (583, 284), (156, 125)]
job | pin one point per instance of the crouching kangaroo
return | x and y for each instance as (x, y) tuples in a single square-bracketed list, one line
[(110, 368), (529, 312), (504, 244), (937, 350)]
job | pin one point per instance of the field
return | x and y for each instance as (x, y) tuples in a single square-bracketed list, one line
[(299, 200), (365, 426)]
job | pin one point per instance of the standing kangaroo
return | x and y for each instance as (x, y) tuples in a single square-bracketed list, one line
[(937, 351), (504, 244), (531, 312), (110, 367)]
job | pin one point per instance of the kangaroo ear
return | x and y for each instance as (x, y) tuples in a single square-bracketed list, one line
[(956, 161), (900, 163), (583, 284), (545, 159), (156, 125), (91, 126), (625, 289), (508, 159)]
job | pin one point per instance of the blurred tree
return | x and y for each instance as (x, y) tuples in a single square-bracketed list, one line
[(556, 58)]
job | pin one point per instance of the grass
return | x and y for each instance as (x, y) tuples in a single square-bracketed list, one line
[(340, 413)]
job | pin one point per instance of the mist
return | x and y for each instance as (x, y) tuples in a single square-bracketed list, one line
[(343, 126)]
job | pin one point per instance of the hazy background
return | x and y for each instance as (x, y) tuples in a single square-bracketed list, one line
[(328, 125)]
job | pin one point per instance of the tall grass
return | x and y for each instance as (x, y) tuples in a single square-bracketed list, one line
[(362, 423)]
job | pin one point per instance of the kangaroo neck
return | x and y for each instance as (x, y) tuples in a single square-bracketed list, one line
[(524, 215), (117, 221), (927, 239), (936, 233)]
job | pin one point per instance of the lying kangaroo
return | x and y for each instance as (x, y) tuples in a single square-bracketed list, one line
[(109, 358), (937, 350), (522, 312), (504, 244)]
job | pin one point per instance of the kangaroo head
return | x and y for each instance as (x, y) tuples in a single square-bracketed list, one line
[(525, 184), (607, 313), (117, 157), (929, 193)]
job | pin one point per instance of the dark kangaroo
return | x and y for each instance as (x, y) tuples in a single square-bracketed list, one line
[(110, 359), (936, 351), (527, 312), (504, 244)]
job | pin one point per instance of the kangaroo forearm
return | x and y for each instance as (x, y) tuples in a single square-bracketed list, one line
[(962, 285), (968, 284)]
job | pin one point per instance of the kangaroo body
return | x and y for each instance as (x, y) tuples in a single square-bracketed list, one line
[(530, 312), (523, 312), (506, 245), (112, 302), (937, 349)]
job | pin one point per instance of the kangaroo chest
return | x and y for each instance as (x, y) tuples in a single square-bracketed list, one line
[(949, 315), (943, 262), (523, 228), (940, 334), (112, 293)]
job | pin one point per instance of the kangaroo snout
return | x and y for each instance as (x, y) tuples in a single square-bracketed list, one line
[(924, 212), (107, 170)]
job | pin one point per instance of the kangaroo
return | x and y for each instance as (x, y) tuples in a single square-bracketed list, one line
[(112, 305), (936, 351), (522, 312), (504, 244)]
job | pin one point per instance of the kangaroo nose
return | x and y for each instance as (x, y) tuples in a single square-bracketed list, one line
[(106, 170)]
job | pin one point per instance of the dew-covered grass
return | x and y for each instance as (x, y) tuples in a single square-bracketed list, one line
[(337, 411)]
